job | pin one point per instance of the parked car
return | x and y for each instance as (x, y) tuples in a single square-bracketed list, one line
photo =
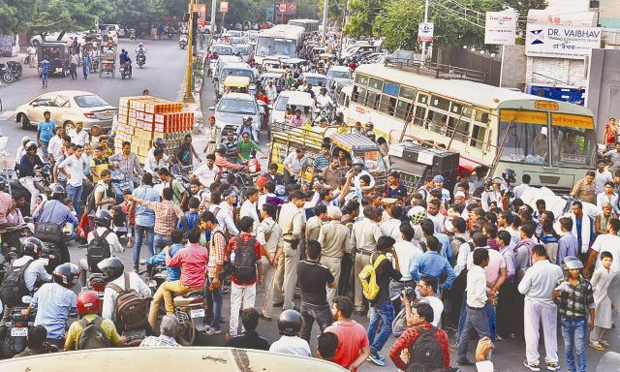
[(67, 107), (68, 37)]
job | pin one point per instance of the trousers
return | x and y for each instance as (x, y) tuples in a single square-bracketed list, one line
[(239, 294), (536, 313), (310, 312), (269, 273), (286, 278), (574, 331), (165, 292), (476, 320), (361, 260), (214, 302), (334, 266)]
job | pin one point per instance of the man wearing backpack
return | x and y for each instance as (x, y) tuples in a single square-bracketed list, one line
[(92, 331), (379, 299), (21, 277), (191, 217), (179, 194), (427, 345), (244, 253), (193, 261), (124, 296), (101, 244)]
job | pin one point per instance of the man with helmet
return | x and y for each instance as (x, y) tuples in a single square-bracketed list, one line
[(55, 212), (21, 151), (54, 301), (27, 165), (575, 298), (141, 51), (103, 223), (31, 268), (247, 127), (289, 324), (88, 307), (113, 270)]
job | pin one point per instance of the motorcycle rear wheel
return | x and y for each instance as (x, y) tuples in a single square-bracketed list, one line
[(8, 77), (187, 335)]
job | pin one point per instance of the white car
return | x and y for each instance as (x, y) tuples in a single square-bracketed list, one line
[(67, 107), (66, 38)]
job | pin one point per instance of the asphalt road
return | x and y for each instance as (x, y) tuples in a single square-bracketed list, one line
[(162, 74)]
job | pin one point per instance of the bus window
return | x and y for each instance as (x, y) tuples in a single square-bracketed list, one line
[(408, 93), (437, 121), (376, 84), (482, 116), (575, 147), (460, 128), (525, 143), (440, 103), (403, 110), (372, 100), (477, 136), (423, 98), (388, 105), (359, 95), (420, 114), (361, 79)]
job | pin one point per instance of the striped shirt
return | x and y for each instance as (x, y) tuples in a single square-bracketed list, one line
[(217, 246), (161, 340), (165, 213), (321, 162)]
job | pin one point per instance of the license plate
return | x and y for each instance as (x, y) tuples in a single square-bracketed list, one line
[(106, 115), (197, 313), (19, 332)]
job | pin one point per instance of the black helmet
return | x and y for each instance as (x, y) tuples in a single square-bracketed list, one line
[(221, 148), (57, 191), (289, 322), (510, 176), (32, 246), (32, 146), (340, 116), (103, 218), (66, 274), (111, 268), (159, 143)]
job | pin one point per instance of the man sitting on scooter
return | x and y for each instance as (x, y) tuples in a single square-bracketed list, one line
[(141, 51), (124, 60)]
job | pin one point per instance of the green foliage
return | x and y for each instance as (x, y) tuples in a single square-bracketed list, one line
[(362, 15), (135, 11)]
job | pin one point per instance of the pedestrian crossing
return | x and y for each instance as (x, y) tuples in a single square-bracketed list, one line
[(6, 115)]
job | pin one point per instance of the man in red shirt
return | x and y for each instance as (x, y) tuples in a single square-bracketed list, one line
[(193, 261), (422, 316), (246, 271), (353, 346)]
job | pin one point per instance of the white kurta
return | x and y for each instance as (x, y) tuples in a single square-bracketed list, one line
[(600, 282)]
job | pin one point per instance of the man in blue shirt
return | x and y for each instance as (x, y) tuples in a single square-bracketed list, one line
[(395, 189), (44, 70), (428, 229), (54, 302), (191, 217), (145, 218), (45, 132), (54, 211), (173, 272), (431, 263)]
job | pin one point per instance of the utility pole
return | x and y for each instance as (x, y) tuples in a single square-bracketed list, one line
[(212, 26), (189, 96), (424, 42), (325, 10)]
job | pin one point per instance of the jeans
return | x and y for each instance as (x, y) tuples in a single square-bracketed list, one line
[(491, 316), (137, 244), (215, 303), (44, 80), (310, 312), (44, 151), (475, 319), (73, 71), (574, 332), (160, 242), (85, 69), (385, 314), (75, 194)]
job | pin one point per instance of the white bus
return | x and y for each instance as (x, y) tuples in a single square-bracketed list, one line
[(280, 41), (552, 141), (310, 25)]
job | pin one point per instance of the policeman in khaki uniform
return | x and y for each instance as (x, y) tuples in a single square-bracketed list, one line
[(364, 237), (268, 234), (290, 222), (335, 241)]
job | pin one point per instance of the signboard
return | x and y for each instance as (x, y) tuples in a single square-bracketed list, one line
[(561, 41), (500, 28), (425, 32), (224, 7), (201, 9), (287, 8), (547, 105)]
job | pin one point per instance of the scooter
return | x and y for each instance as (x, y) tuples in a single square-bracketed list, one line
[(183, 41), (140, 59), (125, 71)]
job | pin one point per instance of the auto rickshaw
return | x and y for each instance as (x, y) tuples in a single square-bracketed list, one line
[(237, 84)]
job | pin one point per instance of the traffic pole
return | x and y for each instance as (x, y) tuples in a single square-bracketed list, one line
[(213, 9), (325, 10), (188, 97), (425, 21)]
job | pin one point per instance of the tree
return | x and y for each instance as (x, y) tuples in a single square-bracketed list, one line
[(14, 15), (135, 11), (65, 15), (522, 7), (362, 15)]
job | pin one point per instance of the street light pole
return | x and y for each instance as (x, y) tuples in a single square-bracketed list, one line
[(189, 96), (424, 42), (325, 9), (213, 8)]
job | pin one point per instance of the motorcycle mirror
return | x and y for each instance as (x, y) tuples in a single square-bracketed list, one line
[(26, 299)]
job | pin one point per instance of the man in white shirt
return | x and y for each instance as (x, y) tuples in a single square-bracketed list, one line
[(224, 212), (323, 100), (295, 165), (476, 318), (159, 160), (602, 176), (525, 184), (208, 172), (73, 168), (113, 268), (427, 286), (391, 225), (80, 136), (606, 243), (248, 208), (407, 252), (55, 146), (271, 92), (537, 285), (268, 234), (364, 237), (290, 343)]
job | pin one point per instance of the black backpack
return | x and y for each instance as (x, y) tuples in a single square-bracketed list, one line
[(244, 264), (93, 336), (426, 353), (14, 286), (98, 250)]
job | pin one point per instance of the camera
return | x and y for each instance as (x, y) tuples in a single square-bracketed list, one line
[(407, 293)]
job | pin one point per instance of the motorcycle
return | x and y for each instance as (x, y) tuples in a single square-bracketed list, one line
[(141, 59), (17, 325), (10, 71), (183, 41), (125, 71), (189, 309), (42, 177)]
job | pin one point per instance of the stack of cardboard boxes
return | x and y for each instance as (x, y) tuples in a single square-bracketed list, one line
[(141, 119)]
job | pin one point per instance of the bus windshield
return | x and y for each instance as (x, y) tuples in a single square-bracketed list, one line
[(269, 46), (573, 147), (525, 143)]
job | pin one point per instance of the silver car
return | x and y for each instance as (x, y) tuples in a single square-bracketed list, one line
[(231, 109)]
